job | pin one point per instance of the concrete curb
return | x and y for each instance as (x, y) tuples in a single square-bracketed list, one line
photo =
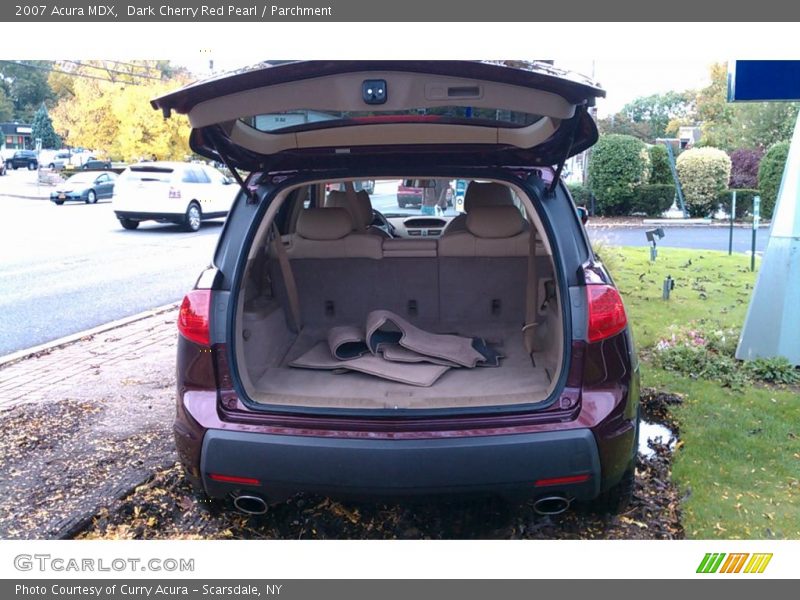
[(591, 225), (76, 337), (25, 197)]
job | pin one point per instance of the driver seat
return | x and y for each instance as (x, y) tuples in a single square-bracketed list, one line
[(360, 210)]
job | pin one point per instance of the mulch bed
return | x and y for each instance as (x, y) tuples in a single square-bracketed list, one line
[(57, 470)]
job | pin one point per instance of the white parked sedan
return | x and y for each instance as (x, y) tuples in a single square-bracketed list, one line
[(172, 192)]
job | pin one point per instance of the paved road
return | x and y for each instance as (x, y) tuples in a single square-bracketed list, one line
[(703, 238), (66, 268)]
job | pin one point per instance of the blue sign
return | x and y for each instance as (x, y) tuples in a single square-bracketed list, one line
[(760, 80)]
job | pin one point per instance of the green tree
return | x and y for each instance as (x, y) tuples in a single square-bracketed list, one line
[(770, 174), (658, 110), (618, 165), (749, 125), (26, 85), (6, 106), (621, 124), (42, 128)]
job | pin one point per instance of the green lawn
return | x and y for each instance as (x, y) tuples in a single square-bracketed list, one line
[(739, 463)]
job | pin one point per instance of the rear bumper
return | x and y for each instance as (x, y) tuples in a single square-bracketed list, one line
[(409, 199), (284, 465), (150, 216)]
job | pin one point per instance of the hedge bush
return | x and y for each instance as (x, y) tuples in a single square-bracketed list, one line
[(744, 168), (703, 173), (770, 173), (581, 194), (660, 173), (653, 200), (744, 201), (618, 165)]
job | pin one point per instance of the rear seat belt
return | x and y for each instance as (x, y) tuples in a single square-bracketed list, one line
[(531, 296), (288, 280)]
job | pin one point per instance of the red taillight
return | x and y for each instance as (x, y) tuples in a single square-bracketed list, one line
[(193, 317), (233, 479), (562, 480), (174, 192), (606, 312)]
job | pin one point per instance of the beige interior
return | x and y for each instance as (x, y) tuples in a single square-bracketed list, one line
[(470, 283), (342, 92)]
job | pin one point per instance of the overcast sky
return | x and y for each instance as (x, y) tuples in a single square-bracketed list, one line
[(625, 80)]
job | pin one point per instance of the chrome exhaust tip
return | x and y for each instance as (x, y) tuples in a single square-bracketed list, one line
[(250, 505), (551, 505)]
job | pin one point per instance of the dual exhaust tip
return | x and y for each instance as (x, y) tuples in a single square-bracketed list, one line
[(548, 505), (250, 505), (551, 505)]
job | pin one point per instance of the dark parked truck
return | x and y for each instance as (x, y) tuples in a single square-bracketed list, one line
[(330, 349)]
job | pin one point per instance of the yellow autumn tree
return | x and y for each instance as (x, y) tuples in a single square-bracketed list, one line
[(84, 118), (116, 119)]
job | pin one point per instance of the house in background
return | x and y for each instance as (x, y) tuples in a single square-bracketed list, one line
[(689, 136), (16, 136)]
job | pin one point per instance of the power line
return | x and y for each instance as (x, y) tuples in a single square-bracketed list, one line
[(71, 73), (127, 64), (108, 70), (79, 64)]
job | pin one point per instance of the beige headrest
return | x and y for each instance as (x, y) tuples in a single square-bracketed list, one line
[(324, 223), (495, 221), (486, 193), (360, 208)]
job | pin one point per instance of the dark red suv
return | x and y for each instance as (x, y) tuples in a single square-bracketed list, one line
[(328, 349)]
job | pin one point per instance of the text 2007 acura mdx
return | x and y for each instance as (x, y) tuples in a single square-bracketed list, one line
[(338, 348)]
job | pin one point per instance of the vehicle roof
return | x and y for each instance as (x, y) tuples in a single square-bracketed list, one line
[(166, 164)]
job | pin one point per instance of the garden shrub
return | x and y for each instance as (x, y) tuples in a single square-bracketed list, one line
[(744, 168), (580, 193), (774, 370), (710, 355), (618, 165), (703, 173), (770, 173), (653, 200), (660, 173), (744, 201)]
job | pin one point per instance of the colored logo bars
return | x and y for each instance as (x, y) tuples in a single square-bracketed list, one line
[(734, 563)]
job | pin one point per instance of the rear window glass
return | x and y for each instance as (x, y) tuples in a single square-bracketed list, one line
[(149, 174), (300, 120)]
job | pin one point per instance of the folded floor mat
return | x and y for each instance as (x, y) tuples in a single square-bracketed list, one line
[(347, 342), (382, 324), (419, 374), (396, 353)]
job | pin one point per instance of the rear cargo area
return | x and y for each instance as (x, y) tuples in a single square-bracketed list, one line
[(471, 283)]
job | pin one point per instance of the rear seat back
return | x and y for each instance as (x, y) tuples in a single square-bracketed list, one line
[(359, 206), (490, 231), (483, 269), (480, 194), (330, 263), (328, 233), (477, 275), (342, 275)]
